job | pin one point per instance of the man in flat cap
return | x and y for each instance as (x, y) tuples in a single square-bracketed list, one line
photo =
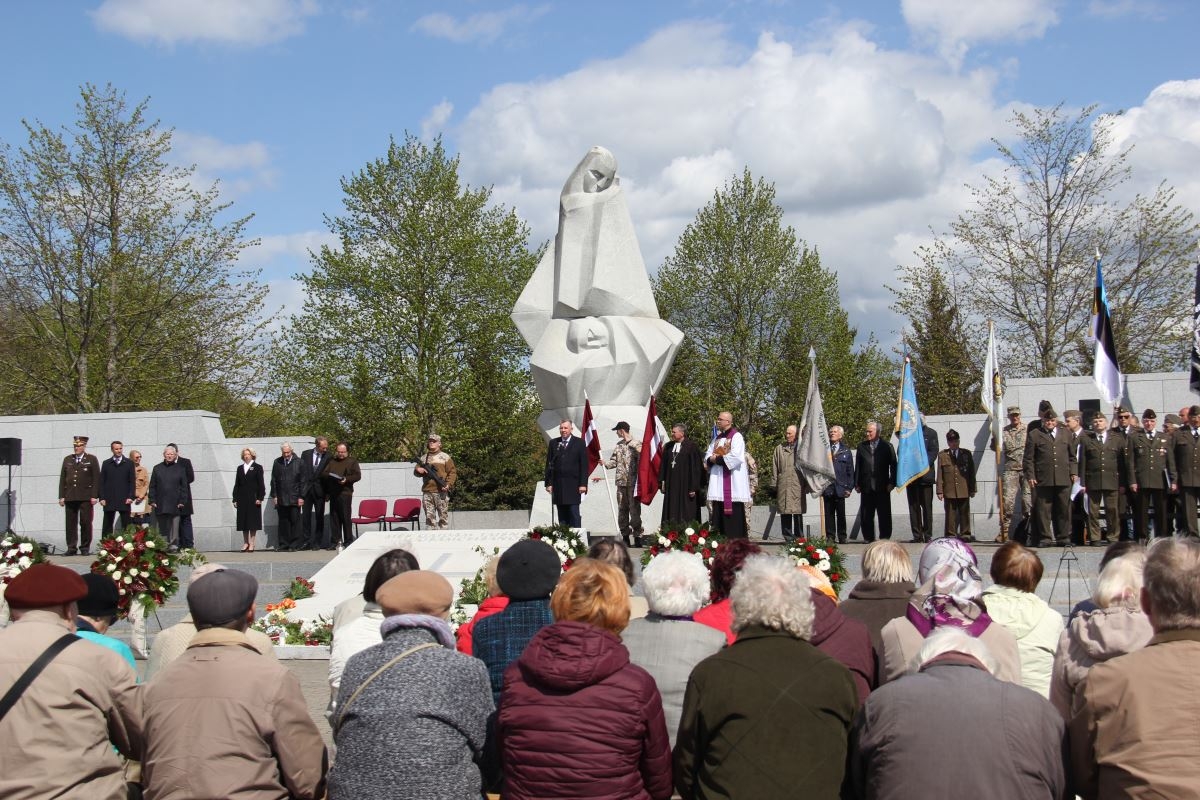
[(1148, 481), (58, 738), (78, 492), (222, 720), (1185, 469), (1051, 469)]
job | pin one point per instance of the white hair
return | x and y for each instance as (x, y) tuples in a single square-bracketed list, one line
[(837, 428), (770, 591), (1120, 582), (288, 445), (675, 583), (947, 639)]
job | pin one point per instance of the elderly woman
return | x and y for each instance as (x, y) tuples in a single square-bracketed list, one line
[(950, 595), (495, 602), (362, 631), (725, 565), (614, 551), (883, 593), (412, 711), (249, 489), (839, 636), (1011, 602), (667, 643), (140, 510), (576, 718), (767, 716), (1117, 626)]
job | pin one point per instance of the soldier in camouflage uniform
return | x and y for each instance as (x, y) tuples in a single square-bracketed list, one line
[(624, 462), (1013, 480), (435, 500)]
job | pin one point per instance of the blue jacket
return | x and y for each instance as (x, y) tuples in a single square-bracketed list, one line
[(843, 473)]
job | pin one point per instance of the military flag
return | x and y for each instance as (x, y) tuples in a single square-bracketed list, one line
[(813, 461), (911, 457)]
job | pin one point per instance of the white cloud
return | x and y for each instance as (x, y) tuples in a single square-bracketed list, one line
[(953, 25), (484, 27), (287, 250), (235, 22), (435, 121), (1164, 132), (241, 167)]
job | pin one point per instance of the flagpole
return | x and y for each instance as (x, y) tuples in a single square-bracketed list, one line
[(998, 441), (812, 362), (612, 503)]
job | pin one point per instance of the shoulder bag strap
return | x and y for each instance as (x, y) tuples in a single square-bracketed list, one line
[(17, 689), (337, 723)]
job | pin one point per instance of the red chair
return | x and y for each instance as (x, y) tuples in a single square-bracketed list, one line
[(370, 512), (405, 511)]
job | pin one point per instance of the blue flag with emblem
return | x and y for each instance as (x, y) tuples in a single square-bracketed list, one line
[(912, 460)]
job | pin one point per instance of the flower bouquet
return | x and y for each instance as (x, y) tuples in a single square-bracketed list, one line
[(308, 633), (17, 554), (471, 592), (822, 554), (138, 562), (688, 537), (299, 589), (565, 540)]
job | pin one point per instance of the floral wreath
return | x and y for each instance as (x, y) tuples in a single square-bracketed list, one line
[(565, 540), (686, 537), (822, 554), (17, 554), (308, 632), (138, 562)]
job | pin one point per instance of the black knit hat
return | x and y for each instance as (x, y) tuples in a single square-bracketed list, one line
[(529, 570), (101, 600)]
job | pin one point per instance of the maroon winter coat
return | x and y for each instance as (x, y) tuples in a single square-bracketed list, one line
[(846, 640), (578, 720)]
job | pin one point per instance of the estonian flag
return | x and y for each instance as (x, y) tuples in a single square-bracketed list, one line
[(1106, 372), (1195, 383)]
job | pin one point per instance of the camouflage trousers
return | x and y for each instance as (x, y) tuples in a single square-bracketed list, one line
[(1014, 481), (436, 506)]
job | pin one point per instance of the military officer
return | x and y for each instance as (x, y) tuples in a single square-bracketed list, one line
[(1185, 474), (1051, 469), (956, 486), (78, 492), (1175, 522), (1013, 477), (1104, 470), (1148, 481)]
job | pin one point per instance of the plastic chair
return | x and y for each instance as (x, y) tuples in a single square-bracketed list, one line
[(370, 511), (405, 511)]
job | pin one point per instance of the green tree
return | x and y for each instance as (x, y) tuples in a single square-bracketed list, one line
[(1028, 244), (946, 380), (120, 281), (751, 299), (406, 329)]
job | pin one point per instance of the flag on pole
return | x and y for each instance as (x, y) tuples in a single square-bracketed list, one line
[(591, 439), (912, 461), (813, 460), (1195, 382), (653, 437), (1105, 372), (991, 392)]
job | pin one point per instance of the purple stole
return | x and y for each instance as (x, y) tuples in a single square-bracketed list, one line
[(727, 478)]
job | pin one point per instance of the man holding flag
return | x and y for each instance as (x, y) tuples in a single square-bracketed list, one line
[(567, 470), (914, 461), (623, 460)]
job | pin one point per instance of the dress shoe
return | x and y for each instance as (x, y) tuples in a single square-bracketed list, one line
[(83, 551), (71, 551), (841, 540), (967, 538)]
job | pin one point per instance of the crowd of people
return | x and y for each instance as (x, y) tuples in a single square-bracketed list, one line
[(751, 680)]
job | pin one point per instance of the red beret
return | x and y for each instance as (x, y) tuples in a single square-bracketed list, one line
[(44, 585)]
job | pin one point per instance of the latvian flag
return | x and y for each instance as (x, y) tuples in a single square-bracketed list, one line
[(654, 437), (591, 440)]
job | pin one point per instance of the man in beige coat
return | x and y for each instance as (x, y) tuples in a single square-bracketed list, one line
[(223, 720), (1133, 731), (58, 739)]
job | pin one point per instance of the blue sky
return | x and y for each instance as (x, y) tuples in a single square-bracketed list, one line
[(869, 116)]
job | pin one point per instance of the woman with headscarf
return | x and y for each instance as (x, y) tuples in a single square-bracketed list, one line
[(950, 595)]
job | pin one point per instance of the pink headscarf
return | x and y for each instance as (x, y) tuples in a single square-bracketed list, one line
[(950, 589)]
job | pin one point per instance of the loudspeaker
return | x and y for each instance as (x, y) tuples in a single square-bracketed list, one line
[(1089, 409), (10, 452)]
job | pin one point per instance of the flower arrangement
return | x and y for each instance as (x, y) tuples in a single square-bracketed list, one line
[(138, 562), (471, 591), (822, 554), (688, 537), (299, 589), (565, 540), (17, 554), (308, 633)]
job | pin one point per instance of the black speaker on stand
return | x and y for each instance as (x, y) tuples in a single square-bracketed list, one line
[(10, 456)]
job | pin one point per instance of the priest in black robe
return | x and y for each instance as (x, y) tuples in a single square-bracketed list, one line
[(682, 478)]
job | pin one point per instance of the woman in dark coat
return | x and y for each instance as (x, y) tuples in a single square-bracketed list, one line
[(249, 489), (577, 719)]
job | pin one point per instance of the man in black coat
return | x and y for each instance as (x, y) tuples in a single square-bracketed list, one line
[(185, 520), (116, 488), (288, 487), (316, 535), (567, 474), (874, 478), (920, 491), (170, 495), (682, 478)]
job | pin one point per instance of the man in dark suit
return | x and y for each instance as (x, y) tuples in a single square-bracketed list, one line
[(287, 492), (1104, 470), (835, 494), (567, 474), (1051, 469), (78, 490), (874, 478), (316, 535), (1148, 478), (116, 488), (186, 539), (1185, 446), (920, 491)]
